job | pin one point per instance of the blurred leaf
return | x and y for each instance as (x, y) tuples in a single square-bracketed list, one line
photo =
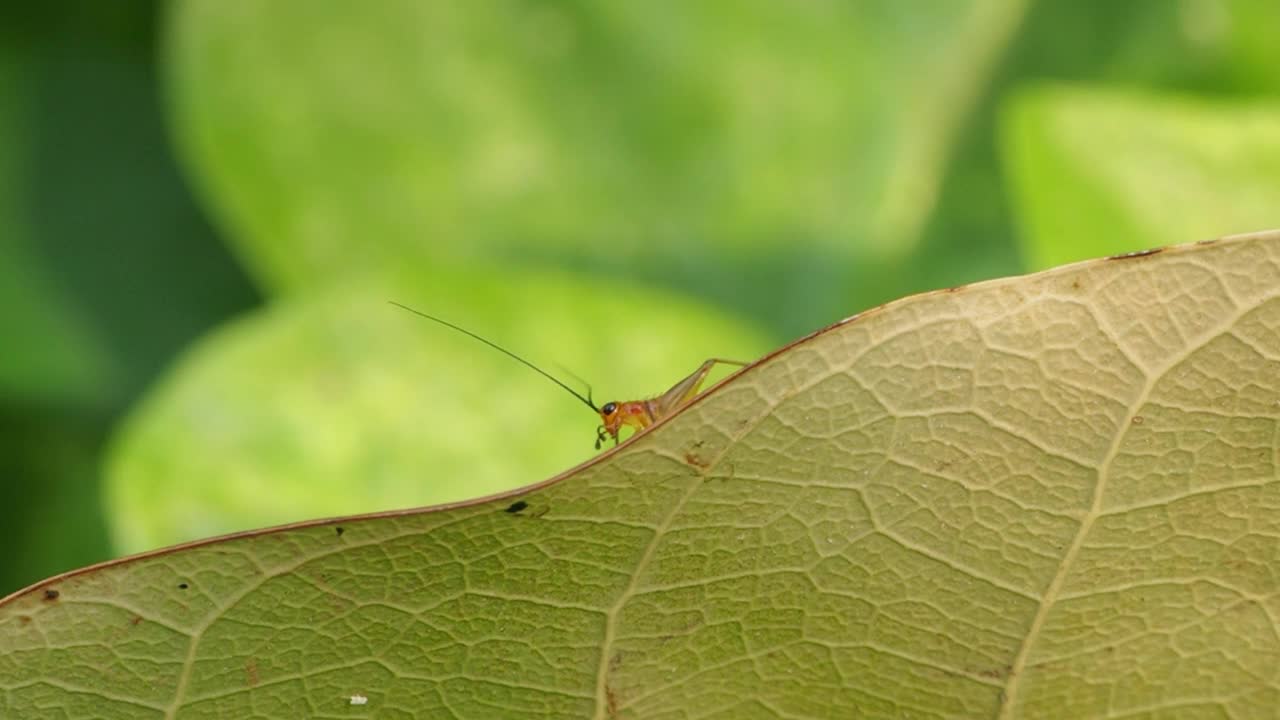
[(1213, 46), (1218, 46), (50, 354), (1222, 48), (49, 491), (342, 403), (99, 239), (1248, 40), (997, 502), (625, 138), (1099, 172)]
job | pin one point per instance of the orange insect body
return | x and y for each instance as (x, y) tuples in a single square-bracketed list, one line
[(640, 414), (614, 415)]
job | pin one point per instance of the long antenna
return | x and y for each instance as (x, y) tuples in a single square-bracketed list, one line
[(504, 351)]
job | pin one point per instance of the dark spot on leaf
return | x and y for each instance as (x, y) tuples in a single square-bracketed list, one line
[(1075, 284), (339, 530), (1137, 420), (957, 288), (517, 506), (695, 460), (135, 620), (50, 594), (611, 695), (183, 586), (611, 701), (24, 619), (251, 672), (1137, 254)]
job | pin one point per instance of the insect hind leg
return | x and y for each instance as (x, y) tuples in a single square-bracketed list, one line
[(687, 389)]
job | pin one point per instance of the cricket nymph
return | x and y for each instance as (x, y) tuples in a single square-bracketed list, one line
[(616, 414)]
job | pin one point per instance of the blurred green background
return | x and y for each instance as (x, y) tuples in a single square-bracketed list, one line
[(205, 205)]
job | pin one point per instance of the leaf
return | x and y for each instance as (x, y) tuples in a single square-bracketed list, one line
[(1100, 171), (333, 404), (84, 208), (1049, 496), (51, 355), (602, 134)]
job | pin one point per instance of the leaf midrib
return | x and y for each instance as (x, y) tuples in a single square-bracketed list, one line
[(1008, 698)]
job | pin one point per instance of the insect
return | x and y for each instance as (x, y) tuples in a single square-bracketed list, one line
[(616, 414)]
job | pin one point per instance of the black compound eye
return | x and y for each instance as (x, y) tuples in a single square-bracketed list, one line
[(609, 408)]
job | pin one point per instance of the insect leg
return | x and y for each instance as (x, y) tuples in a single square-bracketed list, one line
[(685, 390)]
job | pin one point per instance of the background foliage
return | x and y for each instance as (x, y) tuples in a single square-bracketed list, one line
[(204, 207)]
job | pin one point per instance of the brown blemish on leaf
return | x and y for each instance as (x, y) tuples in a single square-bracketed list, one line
[(516, 507), (24, 619), (133, 621), (1137, 254), (957, 288), (339, 530), (1075, 284), (693, 459), (611, 702), (1137, 420), (183, 586), (611, 695), (50, 595), (251, 673)]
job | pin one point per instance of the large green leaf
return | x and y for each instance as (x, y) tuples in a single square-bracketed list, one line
[(1097, 171), (1049, 496), (634, 137)]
